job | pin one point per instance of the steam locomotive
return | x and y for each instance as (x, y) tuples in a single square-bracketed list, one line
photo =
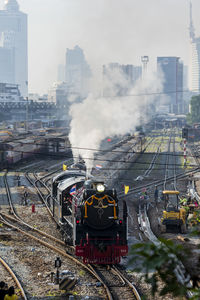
[(87, 212)]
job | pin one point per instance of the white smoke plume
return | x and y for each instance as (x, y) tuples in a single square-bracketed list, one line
[(98, 117)]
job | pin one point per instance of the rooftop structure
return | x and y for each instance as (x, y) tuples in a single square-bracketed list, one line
[(9, 93)]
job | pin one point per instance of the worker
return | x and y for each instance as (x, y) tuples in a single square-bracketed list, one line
[(183, 201), (25, 198), (11, 294), (156, 194), (146, 197), (189, 200), (18, 180), (3, 290), (196, 203)]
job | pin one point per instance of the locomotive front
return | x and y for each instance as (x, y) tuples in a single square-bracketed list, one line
[(101, 236)]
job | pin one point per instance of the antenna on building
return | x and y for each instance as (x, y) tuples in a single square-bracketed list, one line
[(191, 28), (145, 60)]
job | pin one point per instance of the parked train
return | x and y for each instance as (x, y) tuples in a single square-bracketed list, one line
[(87, 212)]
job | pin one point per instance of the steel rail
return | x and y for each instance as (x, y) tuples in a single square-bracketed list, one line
[(166, 164), (134, 289), (9, 194), (33, 228), (148, 171), (8, 268), (40, 194), (157, 182), (24, 223), (58, 250), (110, 297), (174, 151), (145, 227), (180, 272)]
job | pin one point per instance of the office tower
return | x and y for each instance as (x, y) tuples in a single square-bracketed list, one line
[(194, 78), (13, 46), (172, 70), (61, 73), (77, 72)]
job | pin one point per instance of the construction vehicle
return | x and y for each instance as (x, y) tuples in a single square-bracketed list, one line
[(174, 218)]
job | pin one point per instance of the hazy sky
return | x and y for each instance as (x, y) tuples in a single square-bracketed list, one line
[(107, 30)]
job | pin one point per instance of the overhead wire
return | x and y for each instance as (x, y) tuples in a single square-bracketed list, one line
[(154, 93), (98, 150), (94, 159)]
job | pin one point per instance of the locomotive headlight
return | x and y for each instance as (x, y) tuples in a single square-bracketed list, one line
[(100, 188)]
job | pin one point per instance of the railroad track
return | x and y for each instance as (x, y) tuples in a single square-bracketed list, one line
[(182, 276), (168, 178), (63, 253), (14, 277), (125, 281), (155, 157), (119, 286), (22, 227)]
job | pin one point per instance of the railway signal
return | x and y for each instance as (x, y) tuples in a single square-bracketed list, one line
[(58, 263), (185, 133)]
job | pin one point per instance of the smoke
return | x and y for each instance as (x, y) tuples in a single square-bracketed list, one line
[(118, 112)]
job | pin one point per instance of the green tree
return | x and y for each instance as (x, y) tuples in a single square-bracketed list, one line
[(194, 115), (158, 262)]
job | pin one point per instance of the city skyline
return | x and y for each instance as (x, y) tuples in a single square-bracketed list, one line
[(106, 31)]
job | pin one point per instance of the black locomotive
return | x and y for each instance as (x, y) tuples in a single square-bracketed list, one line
[(88, 213)]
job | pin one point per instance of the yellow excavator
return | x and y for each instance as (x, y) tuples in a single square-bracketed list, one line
[(174, 218)]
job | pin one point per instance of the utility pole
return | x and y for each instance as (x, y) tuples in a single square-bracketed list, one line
[(27, 110), (145, 60), (27, 114)]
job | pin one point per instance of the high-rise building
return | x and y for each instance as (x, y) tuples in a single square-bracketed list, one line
[(122, 77), (13, 46), (59, 94), (77, 72), (194, 78), (61, 73), (172, 69)]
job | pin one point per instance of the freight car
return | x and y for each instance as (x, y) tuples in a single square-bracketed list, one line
[(87, 212), (22, 149)]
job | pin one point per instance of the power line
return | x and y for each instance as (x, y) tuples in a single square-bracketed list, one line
[(99, 150), (155, 93), (97, 159)]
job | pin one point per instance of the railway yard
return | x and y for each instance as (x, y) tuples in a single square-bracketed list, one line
[(30, 242)]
